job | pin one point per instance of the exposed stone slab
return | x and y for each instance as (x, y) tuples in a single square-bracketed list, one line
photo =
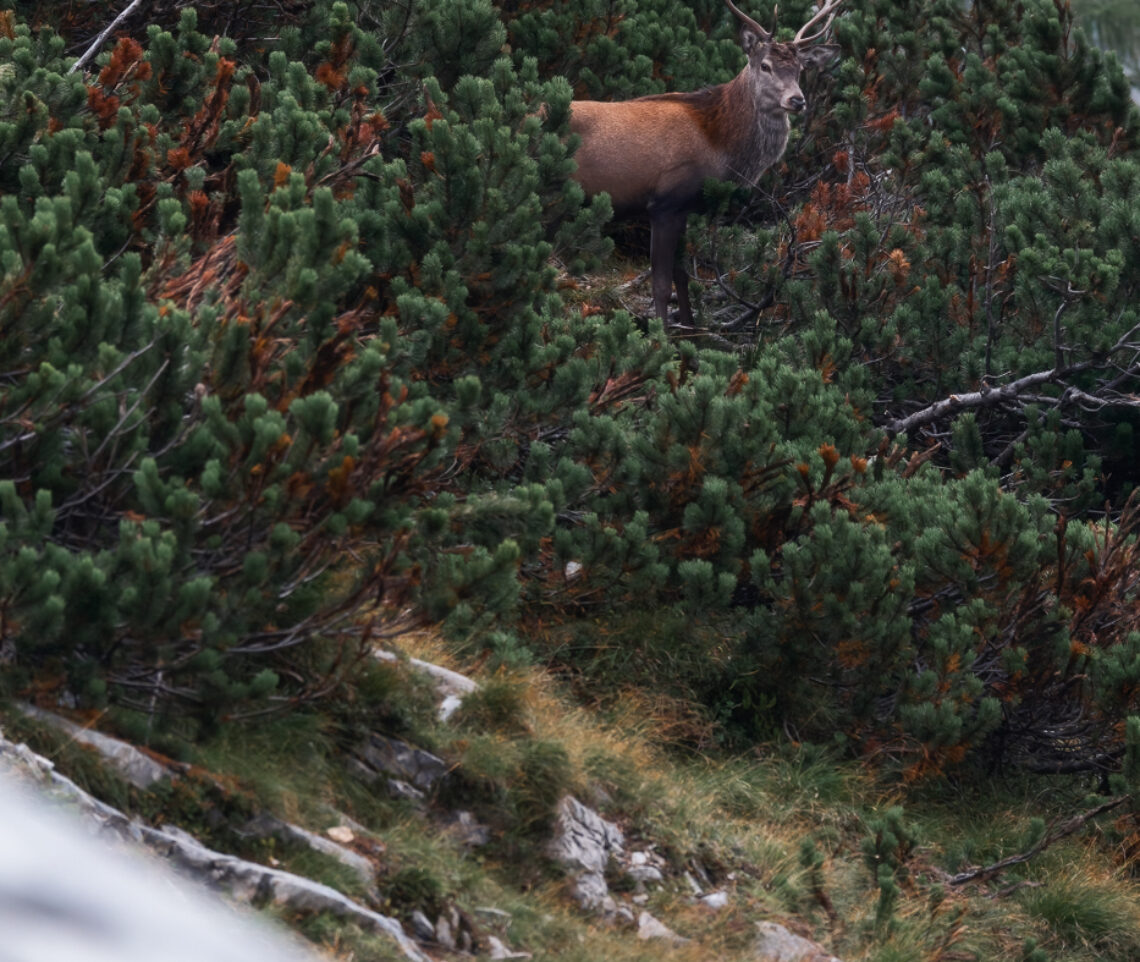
[(265, 825), (649, 927), (259, 884), (582, 838), (135, 766), (450, 685), (66, 894), (498, 950)]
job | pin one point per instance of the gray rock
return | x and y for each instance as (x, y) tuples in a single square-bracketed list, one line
[(469, 830), (714, 900), (402, 761), (497, 950), (265, 825), (645, 867), (24, 763), (398, 788), (422, 928), (582, 838), (444, 935), (591, 893), (449, 706), (702, 876), (251, 882), (244, 881), (645, 873), (650, 928), (584, 842), (66, 894), (774, 943), (450, 685), (135, 766)]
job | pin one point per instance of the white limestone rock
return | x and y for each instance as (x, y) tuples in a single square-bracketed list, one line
[(498, 950), (66, 893), (582, 838), (774, 943), (585, 842)]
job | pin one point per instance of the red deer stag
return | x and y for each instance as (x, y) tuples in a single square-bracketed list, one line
[(654, 153)]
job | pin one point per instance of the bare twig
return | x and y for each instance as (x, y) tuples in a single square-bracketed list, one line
[(104, 34)]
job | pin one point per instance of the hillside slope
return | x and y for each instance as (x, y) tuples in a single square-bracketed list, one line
[(697, 854)]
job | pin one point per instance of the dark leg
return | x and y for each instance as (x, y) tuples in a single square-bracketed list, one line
[(681, 282), (666, 228)]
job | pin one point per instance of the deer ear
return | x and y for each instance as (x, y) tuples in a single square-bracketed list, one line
[(750, 40), (820, 55)]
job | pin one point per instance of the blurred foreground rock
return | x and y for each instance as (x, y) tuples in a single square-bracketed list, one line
[(66, 893)]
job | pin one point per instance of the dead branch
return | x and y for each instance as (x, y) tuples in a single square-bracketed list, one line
[(1019, 390), (986, 397), (103, 35), (1058, 831)]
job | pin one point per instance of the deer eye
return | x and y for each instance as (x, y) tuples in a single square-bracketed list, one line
[(765, 66)]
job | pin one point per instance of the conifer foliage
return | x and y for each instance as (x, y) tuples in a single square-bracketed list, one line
[(290, 366)]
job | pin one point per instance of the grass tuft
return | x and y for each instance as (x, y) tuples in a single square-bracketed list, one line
[(1087, 913)]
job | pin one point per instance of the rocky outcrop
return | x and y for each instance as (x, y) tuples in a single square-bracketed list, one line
[(587, 845), (244, 881), (408, 772), (584, 842), (258, 884), (67, 894), (591, 848), (650, 928)]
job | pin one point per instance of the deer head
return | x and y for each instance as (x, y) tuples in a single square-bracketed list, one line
[(774, 68)]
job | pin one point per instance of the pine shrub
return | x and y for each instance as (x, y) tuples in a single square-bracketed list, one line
[(288, 370)]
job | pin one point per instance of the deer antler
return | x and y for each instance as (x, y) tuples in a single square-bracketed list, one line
[(827, 10), (748, 22)]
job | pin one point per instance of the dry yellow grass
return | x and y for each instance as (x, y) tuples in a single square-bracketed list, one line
[(745, 820)]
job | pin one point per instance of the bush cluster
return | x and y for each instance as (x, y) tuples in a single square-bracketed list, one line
[(290, 367)]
